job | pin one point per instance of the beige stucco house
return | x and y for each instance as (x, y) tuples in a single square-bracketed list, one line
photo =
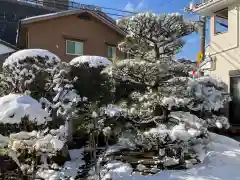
[(223, 52), (223, 48)]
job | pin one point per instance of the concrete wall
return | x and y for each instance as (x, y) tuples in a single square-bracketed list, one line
[(11, 11), (59, 4), (224, 48)]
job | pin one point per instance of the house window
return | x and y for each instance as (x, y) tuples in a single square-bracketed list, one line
[(112, 52), (221, 21), (74, 47)]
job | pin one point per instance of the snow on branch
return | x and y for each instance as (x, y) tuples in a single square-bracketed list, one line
[(19, 57), (91, 61), (208, 94), (49, 141), (28, 70), (150, 33)]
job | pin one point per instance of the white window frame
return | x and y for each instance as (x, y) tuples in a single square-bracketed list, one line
[(112, 46), (74, 42), (215, 22)]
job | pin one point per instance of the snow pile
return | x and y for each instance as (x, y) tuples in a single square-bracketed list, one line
[(113, 170), (221, 161), (92, 61), (14, 107), (69, 170), (41, 141)]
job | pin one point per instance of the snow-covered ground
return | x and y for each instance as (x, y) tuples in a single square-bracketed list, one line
[(220, 162), (68, 171)]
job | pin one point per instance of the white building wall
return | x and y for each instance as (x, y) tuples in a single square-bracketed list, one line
[(224, 48)]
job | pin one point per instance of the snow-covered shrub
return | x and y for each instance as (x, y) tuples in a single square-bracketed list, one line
[(30, 134), (62, 101), (38, 149), (21, 112), (28, 71), (48, 143), (90, 82)]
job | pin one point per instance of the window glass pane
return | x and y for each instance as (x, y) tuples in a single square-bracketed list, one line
[(70, 47), (79, 48), (113, 52), (221, 21), (110, 52)]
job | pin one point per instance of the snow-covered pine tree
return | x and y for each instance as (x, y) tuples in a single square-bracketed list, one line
[(160, 93), (151, 36)]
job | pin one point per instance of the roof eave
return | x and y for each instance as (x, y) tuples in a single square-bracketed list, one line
[(72, 12)]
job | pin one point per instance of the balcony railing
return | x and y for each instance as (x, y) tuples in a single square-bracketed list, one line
[(200, 3), (61, 4)]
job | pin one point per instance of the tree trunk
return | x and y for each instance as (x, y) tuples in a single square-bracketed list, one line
[(162, 111), (69, 128), (157, 54), (166, 113)]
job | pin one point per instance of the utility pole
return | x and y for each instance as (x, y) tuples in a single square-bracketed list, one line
[(203, 35), (202, 29)]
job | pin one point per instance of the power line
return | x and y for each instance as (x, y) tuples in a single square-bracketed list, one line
[(75, 5)]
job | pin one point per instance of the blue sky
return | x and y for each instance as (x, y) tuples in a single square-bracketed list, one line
[(191, 47)]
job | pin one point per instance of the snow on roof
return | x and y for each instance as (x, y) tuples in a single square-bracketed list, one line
[(39, 16), (22, 54), (14, 107), (8, 44), (93, 61)]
